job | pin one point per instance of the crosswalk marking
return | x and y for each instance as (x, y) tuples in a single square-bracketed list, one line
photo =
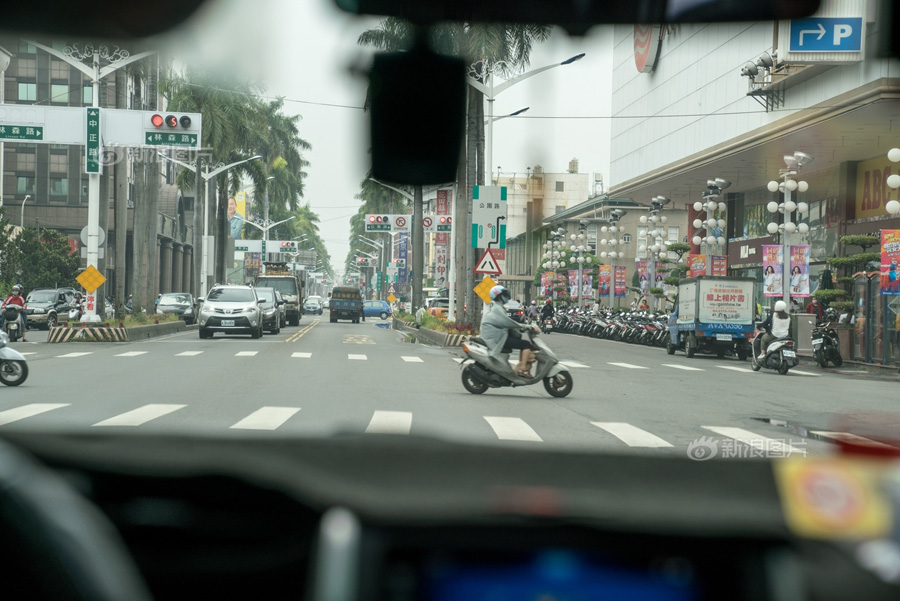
[(573, 364), (266, 418), (246, 354), (301, 355), (357, 357), (13, 415), (189, 354), (390, 422), (71, 355), (627, 365), (132, 354), (684, 367), (632, 435), (512, 428), (141, 415), (412, 359), (732, 368), (852, 439), (754, 440)]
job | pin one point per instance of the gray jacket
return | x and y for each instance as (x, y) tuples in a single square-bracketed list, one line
[(495, 327)]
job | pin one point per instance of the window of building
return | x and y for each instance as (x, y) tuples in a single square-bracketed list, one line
[(59, 186), (27, 91), (58, 163), (84, 189), (626, 238), (26, 48), (560, 208), (59, 70), (58, 45), (87, 95), (560, 187), (24, 185), (26, 67), (673, 233), (25, 161), (59, 93), (642, 231)]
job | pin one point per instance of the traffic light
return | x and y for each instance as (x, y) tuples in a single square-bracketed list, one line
[(445, 220), (378, 223), (172, 121), (379, 219), (288, 246)]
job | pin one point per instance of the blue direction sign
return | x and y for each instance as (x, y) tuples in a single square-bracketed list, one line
[(827, 34)]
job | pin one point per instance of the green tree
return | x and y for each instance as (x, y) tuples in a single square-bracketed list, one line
[(39, 259)]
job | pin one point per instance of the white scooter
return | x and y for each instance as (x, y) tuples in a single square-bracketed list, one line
[(13, 369), (482, 371), (780, 355)]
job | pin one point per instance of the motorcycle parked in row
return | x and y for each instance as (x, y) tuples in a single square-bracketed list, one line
[(826, 345), (13, 369), (780, 354), (482, 371), (12, 323)]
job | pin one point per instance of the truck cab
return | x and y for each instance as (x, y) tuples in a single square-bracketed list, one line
[(346, 303), (279, 277)]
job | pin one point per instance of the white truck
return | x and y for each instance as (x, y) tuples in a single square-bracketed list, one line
[(713, 315)]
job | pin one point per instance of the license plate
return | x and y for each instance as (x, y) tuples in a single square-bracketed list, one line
[(227, 323), (818, 341), (790, 354), (723, 336)]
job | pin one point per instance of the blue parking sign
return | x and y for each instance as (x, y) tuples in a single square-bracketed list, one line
[(827, 34)]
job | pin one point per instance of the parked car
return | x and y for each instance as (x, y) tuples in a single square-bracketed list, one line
[(379, 308), (515, 310), (181, 304), (48, 306), (232, 310), (437, 306), (313, 305), (273, 309)]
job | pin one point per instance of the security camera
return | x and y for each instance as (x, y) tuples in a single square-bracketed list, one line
[(749, 69)]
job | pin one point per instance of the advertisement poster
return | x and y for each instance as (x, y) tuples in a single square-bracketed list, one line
[(547, 284), (773, 259), (587, 285), (890, 256), (603, 284), (643, 267), (719, 265), (620, 281), (403, 256), (728, 302), (237, 211), (662, 270), (696, 265), (443, 205), (573, 283), (799, 271)]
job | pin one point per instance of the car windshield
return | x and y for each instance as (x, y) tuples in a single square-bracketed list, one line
[(266, 295), (175, 299), (283, 285), (42, 296), (231, 295)]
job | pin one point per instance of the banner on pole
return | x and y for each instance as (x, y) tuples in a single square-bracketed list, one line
[(890, 256), (644, 276), (773, 261), (620, 281), (799, 270), (696, 265)]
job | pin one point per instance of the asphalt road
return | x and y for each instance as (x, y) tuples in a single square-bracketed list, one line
[(323, 378)]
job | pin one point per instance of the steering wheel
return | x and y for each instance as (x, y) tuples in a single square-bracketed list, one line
[(66, 548)]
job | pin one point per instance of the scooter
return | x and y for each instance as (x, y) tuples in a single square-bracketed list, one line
[(825, 345), (482, 371), (546, 325), (780, 355), (13, 369), (12, 325)]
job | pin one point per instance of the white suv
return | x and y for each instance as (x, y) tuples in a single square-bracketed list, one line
[(233, 310)]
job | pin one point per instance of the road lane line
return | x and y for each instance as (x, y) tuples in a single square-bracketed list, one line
[(627, 365), (266, 418), (732, 368), (574, 364), (189, 354), (246, 354), (512, 428), (301, 355), (804, 373), (853, 439), (13, 415), (390, 422), (764, 444), (132, 354), (412, 359), (632, 435), (30, 353), (70, 355), (141, 415), (684, 367), (300, 333), (357, 357)]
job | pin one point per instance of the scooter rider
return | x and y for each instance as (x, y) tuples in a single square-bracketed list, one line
[(497, 331), (533, 310), (777, 325), (547, 310), (16, 298)]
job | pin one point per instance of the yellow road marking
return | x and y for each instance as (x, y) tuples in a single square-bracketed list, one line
[(299, 334)]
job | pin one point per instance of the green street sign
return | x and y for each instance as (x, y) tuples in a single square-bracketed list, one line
[(21, 132), (155, 138), (92, 141), (378, 227), (445, 228)]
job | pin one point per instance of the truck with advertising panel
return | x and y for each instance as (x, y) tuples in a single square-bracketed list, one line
[(713, 315), (290, 286)]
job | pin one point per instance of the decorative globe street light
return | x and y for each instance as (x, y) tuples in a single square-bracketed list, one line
[(713, 238), (787, 227), (612, 243), (657, 244), (893, 180)]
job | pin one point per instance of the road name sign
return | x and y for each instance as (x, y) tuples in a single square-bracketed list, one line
[(28, 133)]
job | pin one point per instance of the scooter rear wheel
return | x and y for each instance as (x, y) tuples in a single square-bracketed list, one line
[(13, 373), (471, 383), (784, 367), (559, 385), (837, 360)]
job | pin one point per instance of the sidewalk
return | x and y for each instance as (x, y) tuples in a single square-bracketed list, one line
[(856, 368)]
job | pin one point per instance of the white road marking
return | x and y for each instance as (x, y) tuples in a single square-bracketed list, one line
[(628, 365), (632, 435), (573, 364), (141, 415), (853, 439), (266, 418), (13, 415), (770, 446), (132, 354), (246, 354), (30, 353), (412, 359), (512, 428), (458, 360), (301, 355), (189, 354), (804, 373), (390, 422), (684, 367), (732, 368), (357, 357), (69, 355)]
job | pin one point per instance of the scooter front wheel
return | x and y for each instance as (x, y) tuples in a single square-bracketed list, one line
[(754, 362), (13, 373), (559, 385), (470, 382)]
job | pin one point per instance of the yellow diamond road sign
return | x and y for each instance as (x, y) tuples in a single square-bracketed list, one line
[(483, 290), (91, 279), (392, 298)]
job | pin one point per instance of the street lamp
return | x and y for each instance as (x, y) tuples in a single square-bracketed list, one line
[(381, 261), (554, 257), (613, 229), (657, 243), (579, 249), (5, 58), (207, 175), (22, 215), (715, 228), (893, 206), (793, 164)]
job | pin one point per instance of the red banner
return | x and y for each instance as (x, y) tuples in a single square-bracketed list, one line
[(719, 265), (443, 207), (620, 281), (696, 265)]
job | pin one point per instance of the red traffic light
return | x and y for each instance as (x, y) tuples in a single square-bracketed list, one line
[(371, 218), (156, 120), (446, 220)]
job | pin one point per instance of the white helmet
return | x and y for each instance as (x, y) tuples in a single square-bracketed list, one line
[(780, 306)]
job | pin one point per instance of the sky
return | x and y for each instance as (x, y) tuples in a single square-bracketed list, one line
[(306, 51)]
